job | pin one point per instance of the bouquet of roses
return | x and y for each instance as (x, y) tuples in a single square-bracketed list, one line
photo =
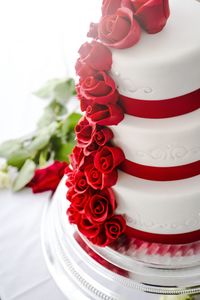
[(39, 159)]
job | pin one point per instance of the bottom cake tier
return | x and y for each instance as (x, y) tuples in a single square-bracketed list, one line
[(162, 254)]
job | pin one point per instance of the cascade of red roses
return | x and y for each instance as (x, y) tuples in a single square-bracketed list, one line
[(94, 161)]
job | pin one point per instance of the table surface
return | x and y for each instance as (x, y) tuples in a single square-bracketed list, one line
[(37, 43)]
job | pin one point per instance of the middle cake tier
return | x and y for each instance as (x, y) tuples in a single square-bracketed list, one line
[(160, 142)]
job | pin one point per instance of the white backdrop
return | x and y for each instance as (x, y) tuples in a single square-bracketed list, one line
[(39, 40)]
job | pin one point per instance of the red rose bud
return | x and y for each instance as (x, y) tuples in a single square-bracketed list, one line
[(84, 132), (105, 115), (83, 70), (119, 30), (93, 32), (151, 14), (73, 215), (47, 179), (77, 157), (98, 180), (99, 88), (109, 7), (87, 228), (100, 206), (80, 182), (115, 227), (91, 149), (79, 201), (108, 158), (103, 136), (96, 56)]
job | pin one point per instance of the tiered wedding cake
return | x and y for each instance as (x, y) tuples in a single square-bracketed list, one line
[(135, 172)]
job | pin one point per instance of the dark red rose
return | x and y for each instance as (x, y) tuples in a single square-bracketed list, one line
[(93, 31), (85, 131), (83, 69), (100, 206), (73, 215), (109, 7), (103, 136), (91, 149), (98, 180), (77, 157), (96, 56), (87, 228), (111, 114), (47, 179), (80, 182), (114, 227), (119, 30), (70, 193), (80, 200), (99, 88), (70, 177), (151, 14), (108, 158)]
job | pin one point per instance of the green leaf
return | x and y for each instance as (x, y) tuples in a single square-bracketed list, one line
[(43, 157), (64, 90), (47, 91), (25, 175), (47, 118), (18, 158), (8, 147), (39, 143), (69, 124), (63, 152)]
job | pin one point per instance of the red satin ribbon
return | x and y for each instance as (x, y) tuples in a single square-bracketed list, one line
[(157, 109), (161, 173), (173, 239)]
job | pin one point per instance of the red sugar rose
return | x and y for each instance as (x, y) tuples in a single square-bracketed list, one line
[(115, 227), (108, 158), (119, 30), (87, 228), (99, 88), (103, 136), (151, 14), (84, 132), (98, 180), (77, 157), (80, 200), (80, 182), (100, 206), (111, 114), (73, 215), (96, 56), (83, 70), (109, 7), (47, 179), (91, 149)]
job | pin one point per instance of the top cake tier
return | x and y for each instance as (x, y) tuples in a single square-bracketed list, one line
[(163, 65)]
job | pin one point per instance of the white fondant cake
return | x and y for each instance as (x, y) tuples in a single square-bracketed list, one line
[(159, 67), (160, 142), (163, 65)]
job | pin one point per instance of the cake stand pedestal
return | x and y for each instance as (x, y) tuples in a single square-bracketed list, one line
[(97, 273)]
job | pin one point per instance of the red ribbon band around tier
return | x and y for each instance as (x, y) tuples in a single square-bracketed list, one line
[(161, 173), (183, 238), (157, 109)]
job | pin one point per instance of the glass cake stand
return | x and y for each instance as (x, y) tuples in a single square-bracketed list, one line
[(114, 273)]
